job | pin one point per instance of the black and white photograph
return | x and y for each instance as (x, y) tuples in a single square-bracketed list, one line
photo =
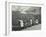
[(26, 18), (23, 18)]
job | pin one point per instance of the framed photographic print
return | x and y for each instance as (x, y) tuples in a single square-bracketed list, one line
[(23, 17)]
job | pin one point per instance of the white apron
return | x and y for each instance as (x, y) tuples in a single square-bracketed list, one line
[(21, 23), (31, 21)]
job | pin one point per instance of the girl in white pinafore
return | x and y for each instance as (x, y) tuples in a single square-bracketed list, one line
[(31, 21), (21, 23)]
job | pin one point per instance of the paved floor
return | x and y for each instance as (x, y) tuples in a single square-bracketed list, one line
[(35, 27)]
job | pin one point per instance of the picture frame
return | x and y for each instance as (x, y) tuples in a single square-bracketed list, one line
[(8, 14)]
